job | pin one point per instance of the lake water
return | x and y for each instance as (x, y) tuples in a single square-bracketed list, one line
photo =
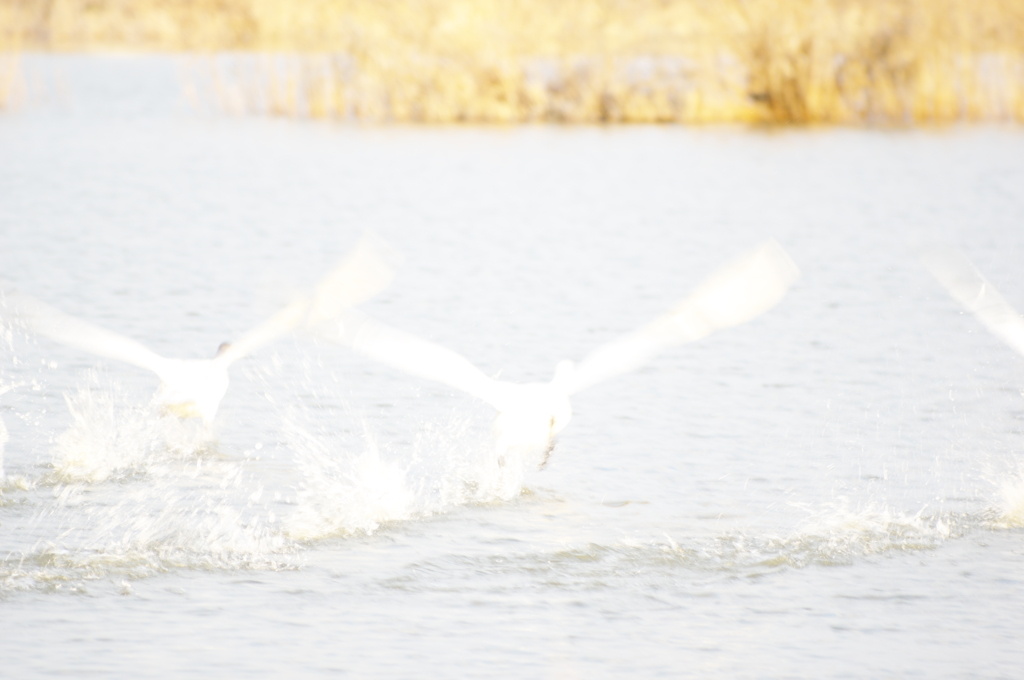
[(835, 489)]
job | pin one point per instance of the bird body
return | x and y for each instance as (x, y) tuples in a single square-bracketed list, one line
[(192, 388), (529, 418)]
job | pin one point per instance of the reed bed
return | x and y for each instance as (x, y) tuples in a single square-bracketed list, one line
[(573, 61)]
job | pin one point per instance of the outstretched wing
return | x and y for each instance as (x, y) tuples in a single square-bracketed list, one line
[(413, 355), (273, 328), (977, 295), (740, 291), (33, 315), (368, 269)]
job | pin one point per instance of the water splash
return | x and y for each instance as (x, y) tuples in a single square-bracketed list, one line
[(10, 484), (113, 436), (834, 537), (345, 494), (205, 515), (354, 486), (839, 535), (131, 494), (1011, 507)]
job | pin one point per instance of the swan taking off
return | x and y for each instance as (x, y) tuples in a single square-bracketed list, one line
[(530, 415), (968, 287), (3, 444), (194, 387)]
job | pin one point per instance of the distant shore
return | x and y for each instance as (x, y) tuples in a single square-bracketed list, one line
[(848, 62)]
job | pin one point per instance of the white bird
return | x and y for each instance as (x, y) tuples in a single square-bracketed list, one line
[(194, 387), (3, 443), (530, 415), (968, 287)]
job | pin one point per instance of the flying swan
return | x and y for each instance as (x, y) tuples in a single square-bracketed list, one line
[(530, 415), (193, 388), (3, 443)]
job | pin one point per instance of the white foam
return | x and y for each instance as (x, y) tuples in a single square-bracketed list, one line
[(836, 534), (341, 493), (350, 487), (1011, 510), (113, 435)]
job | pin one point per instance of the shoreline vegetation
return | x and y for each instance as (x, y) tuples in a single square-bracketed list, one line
[(789, 62)]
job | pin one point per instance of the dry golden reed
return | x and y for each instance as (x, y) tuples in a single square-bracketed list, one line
[(577, 61)]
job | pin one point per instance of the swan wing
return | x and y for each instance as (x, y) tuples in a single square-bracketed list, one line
[(411, 354), (367, 270), (270, 330), (40, 318), (741, 290), (968, 287)]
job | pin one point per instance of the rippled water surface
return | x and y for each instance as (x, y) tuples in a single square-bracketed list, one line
[(832, 490)]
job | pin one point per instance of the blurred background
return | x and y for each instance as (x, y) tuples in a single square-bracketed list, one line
[(893, 62)]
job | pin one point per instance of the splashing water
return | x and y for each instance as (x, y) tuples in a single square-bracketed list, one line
[(840, 534), (1011, 512), (113, 436), (130, 493), (343, 493)]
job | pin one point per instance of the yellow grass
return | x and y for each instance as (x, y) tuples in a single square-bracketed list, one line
[(777, 61)]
